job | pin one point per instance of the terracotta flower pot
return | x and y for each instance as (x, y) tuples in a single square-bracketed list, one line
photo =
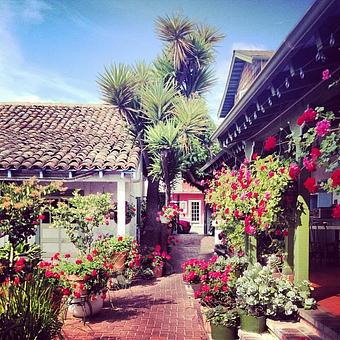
[(255, 324), (158, 271), (118, 260), (76, 281)]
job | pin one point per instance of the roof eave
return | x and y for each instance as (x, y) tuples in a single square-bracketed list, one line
[(305, 25)]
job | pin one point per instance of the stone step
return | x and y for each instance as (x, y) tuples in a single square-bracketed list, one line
[(255, 336), (285, 330), (325, 324)]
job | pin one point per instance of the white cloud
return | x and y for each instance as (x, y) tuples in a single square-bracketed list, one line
[(22, 81)]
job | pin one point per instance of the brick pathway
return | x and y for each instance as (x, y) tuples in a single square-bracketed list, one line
[(156, 309)]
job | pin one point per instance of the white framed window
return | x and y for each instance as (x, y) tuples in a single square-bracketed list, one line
[(195, 211)]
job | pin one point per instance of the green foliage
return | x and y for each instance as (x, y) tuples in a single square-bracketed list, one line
[(108, 246), (30, 310), (222, 316), (80, 216), (21, 206), (259, 293)]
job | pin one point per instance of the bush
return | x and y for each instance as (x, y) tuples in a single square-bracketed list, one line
[(30, 309), (222, 316)]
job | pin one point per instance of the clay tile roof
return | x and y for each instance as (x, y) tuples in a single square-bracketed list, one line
[(65, 137)]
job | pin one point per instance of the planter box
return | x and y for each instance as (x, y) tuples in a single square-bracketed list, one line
[(158, 271), (219, 332), (255, 324), (81, 309)]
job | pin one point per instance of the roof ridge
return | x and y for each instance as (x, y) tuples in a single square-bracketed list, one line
[(56, 104)]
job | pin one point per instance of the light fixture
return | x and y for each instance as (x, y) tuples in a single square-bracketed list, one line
[(278, 93), (287, 83), (263, 109), (331, 40), (302, 74), (258, 106), (270, 102)]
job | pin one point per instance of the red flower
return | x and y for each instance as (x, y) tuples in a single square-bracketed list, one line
[(56, 256), (89, 257), (308, 116), (294, 171), (41, 217), (16, 281), (66, 291), (322, 128), (120, 238), (254, 156), (89, 219), (94, 272), (226, 211), (315, 153), (271, 174), (233, 197), (309, 164), (67, 256), (278, 232), (310, 184), (335, 178), (285, 232), (79, 261), (326, 74), (48, 273), (336, 211), (270, 143), (95, 252), (77, 295)]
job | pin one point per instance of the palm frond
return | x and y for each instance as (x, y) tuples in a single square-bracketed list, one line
[(198, 81), (156, 100), (142, 73), (209, 34), (117, 86), (162, 136), (192, 119), (175, 31)]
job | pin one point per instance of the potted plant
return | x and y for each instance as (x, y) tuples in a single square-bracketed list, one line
[(158, 260), (255, 293), (130, 211), (169, 213), (223, 322), (193, 271), (84, 279), (115, 250)]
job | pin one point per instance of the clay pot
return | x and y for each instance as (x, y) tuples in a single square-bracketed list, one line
[(118, 260), (158, 271)]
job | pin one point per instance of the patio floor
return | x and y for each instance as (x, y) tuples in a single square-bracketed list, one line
[(326, 283), (156, 309)]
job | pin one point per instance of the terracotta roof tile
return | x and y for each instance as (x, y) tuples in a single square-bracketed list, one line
[(65, 137)]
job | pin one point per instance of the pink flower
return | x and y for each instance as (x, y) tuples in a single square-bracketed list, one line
[(67, 256), (310, 184), (309, 115), (315, 153), (309, 164), (322, 128), (294, 171), (249, 229), (41, 217), (270, 143), (254, 156), (285, 232), (336, 211), (79, 261), (335, 178), (48, 273), (66, 291), (16, 281), (326, 74), (94, 272), (77, 295), (271, 174), (89, 257)]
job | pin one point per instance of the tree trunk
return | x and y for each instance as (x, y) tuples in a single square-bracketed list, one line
[(167, 182)]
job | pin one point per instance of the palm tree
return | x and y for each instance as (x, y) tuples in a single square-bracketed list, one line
[(162, 103)]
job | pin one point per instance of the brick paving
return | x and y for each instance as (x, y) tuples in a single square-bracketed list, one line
[(153, 309)]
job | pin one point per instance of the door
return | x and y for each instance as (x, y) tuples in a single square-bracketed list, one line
[(195, 211)]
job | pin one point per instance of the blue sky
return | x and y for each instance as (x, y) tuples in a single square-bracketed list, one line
[(53, 50)]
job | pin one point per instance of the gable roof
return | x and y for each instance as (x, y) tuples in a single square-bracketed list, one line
[(65, 137), (239, 58)]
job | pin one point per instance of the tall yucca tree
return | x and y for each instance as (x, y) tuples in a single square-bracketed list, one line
[(149, 97)]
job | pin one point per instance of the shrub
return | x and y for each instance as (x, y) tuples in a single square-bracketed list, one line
[(222, 316), (30, 309)]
